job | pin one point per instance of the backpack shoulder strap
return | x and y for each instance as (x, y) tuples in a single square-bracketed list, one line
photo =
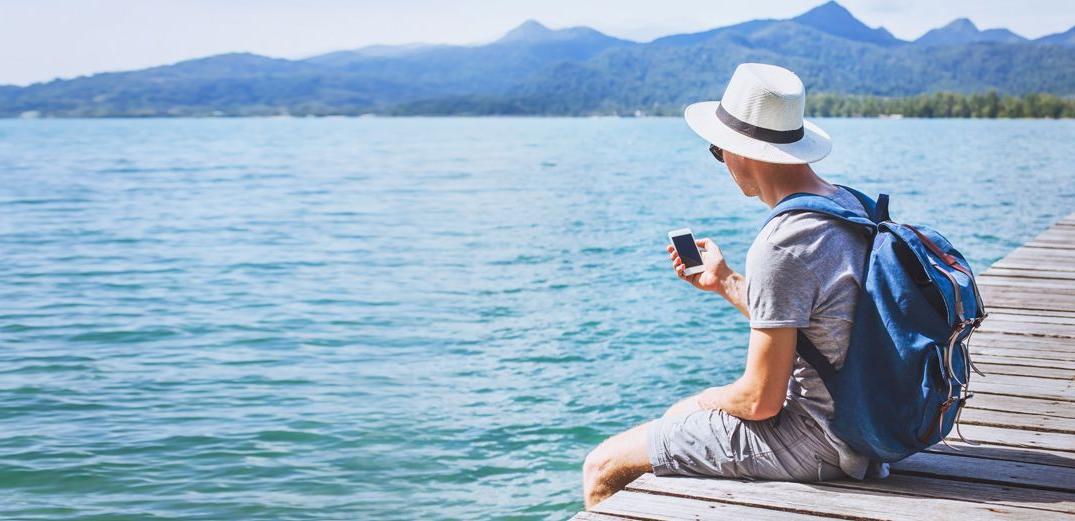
[(809, 352), (804, 202)]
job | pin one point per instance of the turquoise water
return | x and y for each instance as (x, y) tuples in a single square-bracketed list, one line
[(402, 318)]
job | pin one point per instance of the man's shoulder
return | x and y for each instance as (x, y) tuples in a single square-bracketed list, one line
[(806, 236), (792, 228)]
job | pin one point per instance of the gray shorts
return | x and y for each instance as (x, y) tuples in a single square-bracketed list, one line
[(787, 447)]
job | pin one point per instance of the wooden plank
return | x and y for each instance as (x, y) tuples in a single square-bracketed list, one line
[(1054, 252), (1006, 437), (1004, 307), (1005, 315), (1037, 260), (1058, 238), (1032, 273), (997, 472), (1050, 244), (1030, 343), (1025, 405), (1055, 458), (1001, 320), (1024, 283), (1036, 265), (1052, 384), (1025, 386), (1015, 420), (641, 505), (1031, 354), (1019, 359), (1010, 294), (1057, 234), (1030, 312), (1022, 392), (826, 500), (1048, 307), (990, 368), (964, 491), (1028, 355), (1043, 257), (1058, 231), (1027, 300), (1047, 254), (994, 338), (1020, 328)]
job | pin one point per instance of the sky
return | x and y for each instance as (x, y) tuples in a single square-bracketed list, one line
[(42, 40)]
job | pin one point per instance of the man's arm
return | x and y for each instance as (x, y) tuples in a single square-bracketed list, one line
[(717, 277), (734, 289), (759, 393)]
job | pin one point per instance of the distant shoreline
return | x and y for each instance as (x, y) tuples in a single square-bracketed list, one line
[(943, 105), (487, 116)]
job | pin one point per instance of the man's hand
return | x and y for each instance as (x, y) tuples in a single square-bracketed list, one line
[(716, 268), (717, 276)]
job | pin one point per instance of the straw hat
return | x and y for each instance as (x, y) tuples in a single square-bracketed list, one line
[(761, 117)]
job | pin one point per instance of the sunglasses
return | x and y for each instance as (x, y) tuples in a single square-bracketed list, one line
[(717, 152)]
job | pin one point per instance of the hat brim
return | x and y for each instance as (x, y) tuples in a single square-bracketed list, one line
[(814, 145)]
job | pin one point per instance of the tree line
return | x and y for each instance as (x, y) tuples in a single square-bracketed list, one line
[(942, 105)]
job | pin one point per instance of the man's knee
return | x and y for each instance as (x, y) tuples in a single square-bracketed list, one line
[(683, 407), (597, 461), (623, 453), (614, 463)]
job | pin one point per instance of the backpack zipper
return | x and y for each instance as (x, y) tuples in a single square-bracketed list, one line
[(955, 289)]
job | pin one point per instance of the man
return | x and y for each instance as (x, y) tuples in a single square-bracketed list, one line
[(802, 272)]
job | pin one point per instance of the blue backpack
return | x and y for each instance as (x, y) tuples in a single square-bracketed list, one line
[(904, 380)]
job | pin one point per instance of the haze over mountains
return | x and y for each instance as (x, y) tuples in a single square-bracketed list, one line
[(536, 70)]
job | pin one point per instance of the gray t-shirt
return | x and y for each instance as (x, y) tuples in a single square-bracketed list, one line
[(803, 271)]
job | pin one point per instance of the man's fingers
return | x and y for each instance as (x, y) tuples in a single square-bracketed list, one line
[(670, 248), (706, 243), (679, 271)]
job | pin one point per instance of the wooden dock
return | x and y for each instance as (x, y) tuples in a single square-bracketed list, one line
[(1022, 415)]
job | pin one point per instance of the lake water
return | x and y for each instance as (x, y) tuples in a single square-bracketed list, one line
[(398, 318)]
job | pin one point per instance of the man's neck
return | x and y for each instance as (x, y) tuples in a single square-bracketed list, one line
[(780, 181)]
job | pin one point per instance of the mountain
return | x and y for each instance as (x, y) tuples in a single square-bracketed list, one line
[(962, 31), (657, 79), (834, 19), (1065, 38), (372, 51), (534, 69), (459, 69)]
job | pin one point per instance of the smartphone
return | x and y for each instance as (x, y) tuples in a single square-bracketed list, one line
[(683, 240)]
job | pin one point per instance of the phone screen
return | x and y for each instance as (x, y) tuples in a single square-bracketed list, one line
[(688, 251)]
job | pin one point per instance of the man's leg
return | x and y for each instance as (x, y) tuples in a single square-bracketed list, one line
[(683, 407), (616, 462), (622, 458)]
